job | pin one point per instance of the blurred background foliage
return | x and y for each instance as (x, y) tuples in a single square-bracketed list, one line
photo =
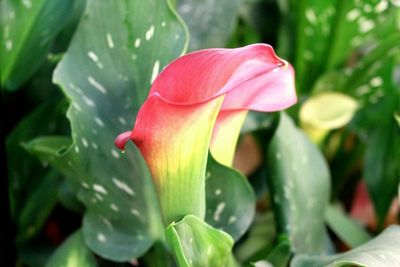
[(329, 192)]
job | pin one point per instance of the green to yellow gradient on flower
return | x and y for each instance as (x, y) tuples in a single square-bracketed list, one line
[(197, 103)]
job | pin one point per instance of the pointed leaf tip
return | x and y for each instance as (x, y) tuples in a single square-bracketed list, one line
[(122, 139)]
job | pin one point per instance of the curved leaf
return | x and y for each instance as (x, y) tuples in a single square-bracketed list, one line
[(28, 30), (347, 229), (29, 180), (327, 32), (230, 199), (106, 73), (72, 253), (196, 244), (382, 251), (210, 23), (300, 185)]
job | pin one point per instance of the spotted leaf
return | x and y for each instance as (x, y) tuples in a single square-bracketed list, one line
[(106, 73), (382, 251), (28, 29), (72, 253), (300, 185), (196, 244), (327, 32), (210, 23), (230, 199)]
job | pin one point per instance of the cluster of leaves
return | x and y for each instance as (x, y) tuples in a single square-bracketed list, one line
[(103, 56)]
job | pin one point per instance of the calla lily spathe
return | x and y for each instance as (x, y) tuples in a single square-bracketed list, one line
[(200, 101)]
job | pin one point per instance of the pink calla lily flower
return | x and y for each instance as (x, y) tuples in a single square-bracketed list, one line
[(200, 101)]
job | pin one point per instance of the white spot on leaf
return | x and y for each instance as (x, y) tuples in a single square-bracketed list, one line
[(232, 219), (376, 81), (9, 45), (99, 188), (122, 120), (92, 55), (110, 41), (88, 101), (381, 6), (137, 42), (220, 208), (99, 121), (114, 207), (353, 14), (366, 25), (27, 4), (135, 212), (310, 15), (97, 85), (102, 238), (84, 142), (123, 186), (150, 33), (115, 153)]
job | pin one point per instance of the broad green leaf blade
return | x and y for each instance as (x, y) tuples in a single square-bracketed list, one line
[(371, 82), (196, 244), (230, 199), (347, 229), (31, 184), (260, 239), (382, 251), (210, 23), (38, 206), (381, 166), (24, 170), (381, 100), (28, 28), (280, 255), (68, 198), (327, 32), (300, 185), (357, 23), (106, 73), (72, 253)]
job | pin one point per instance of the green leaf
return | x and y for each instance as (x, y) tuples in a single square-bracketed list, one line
[(196, 244), (371, 82), (210, 23), (280, 255), (31, 184), (382, 251), (72, 253), (347, 229), (118, 58), (300, 184), (24, 170), (381, 169), (68, 198), (327, 32), (260, 239), (38, 206), (28, 31), (230, 199)]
